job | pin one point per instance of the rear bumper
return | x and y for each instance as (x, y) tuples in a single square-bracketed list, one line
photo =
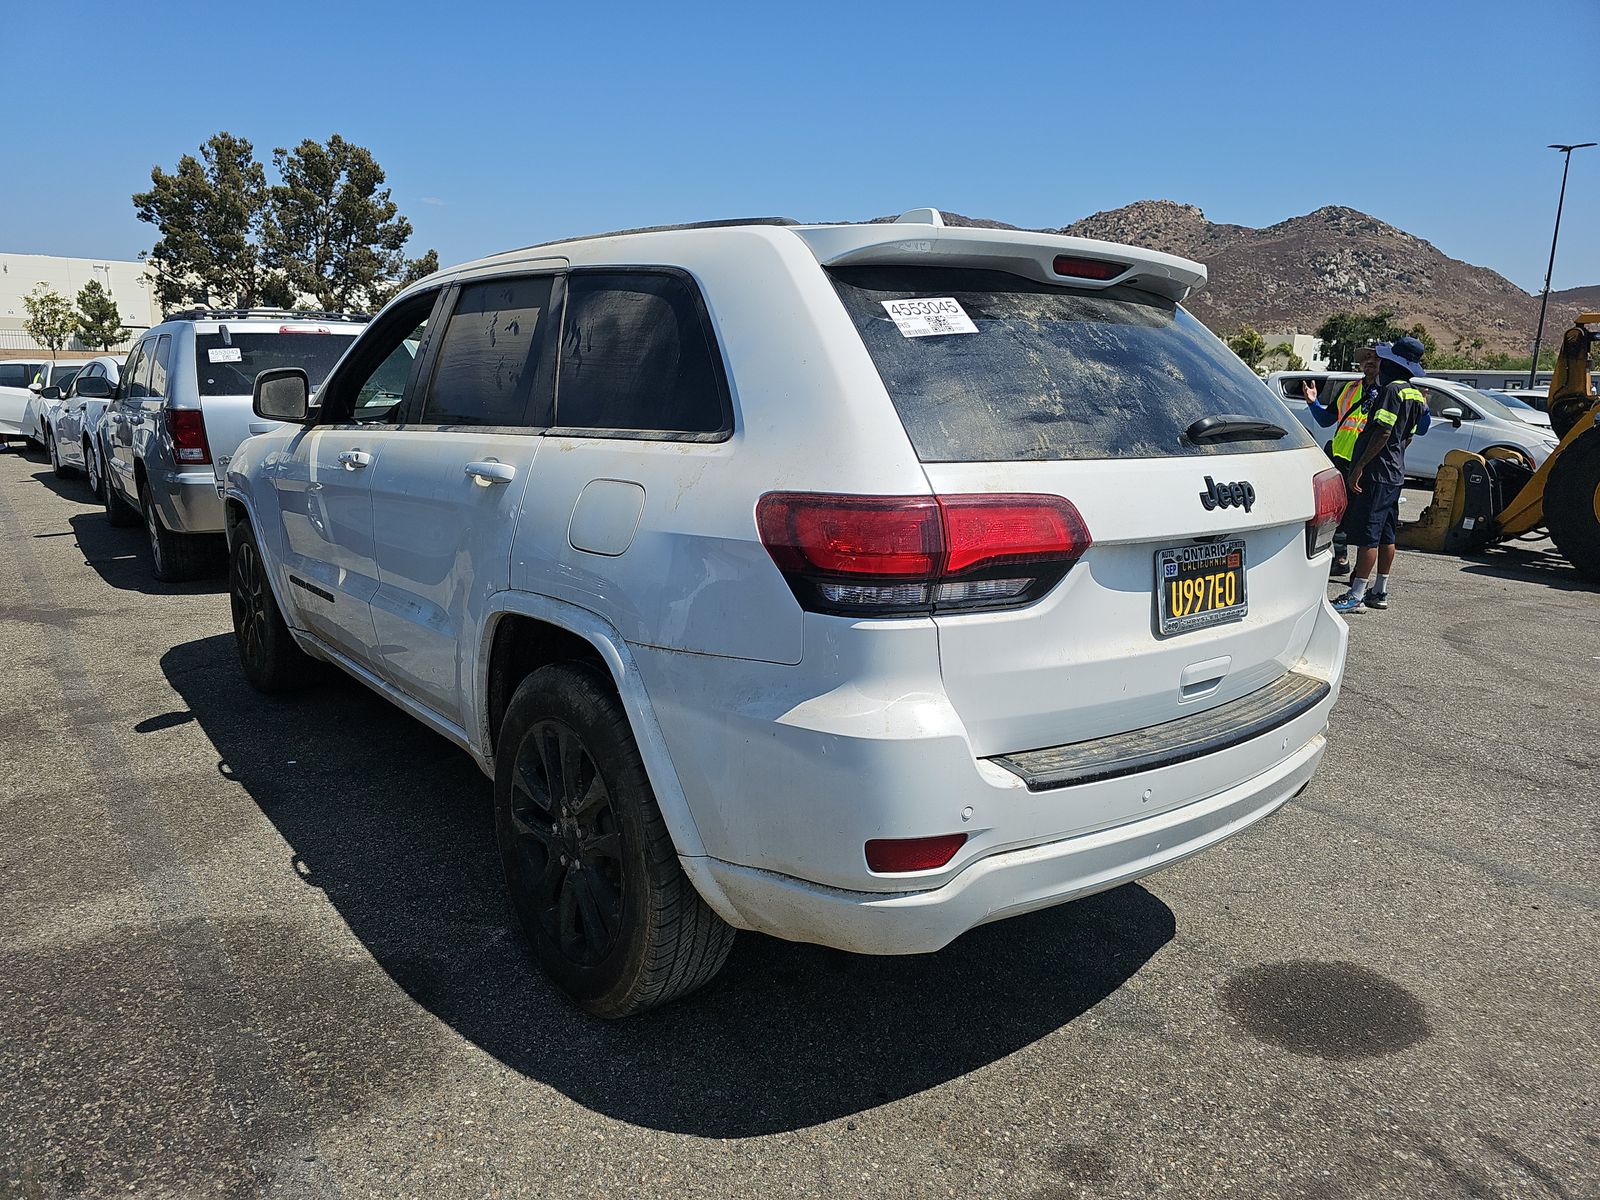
[(788, 774), (188, 501), (1008, 883)]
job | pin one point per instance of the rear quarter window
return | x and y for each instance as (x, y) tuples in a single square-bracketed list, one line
[(637, 358), (1053, 373)]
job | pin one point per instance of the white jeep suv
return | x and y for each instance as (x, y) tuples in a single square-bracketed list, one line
[(855, 584)]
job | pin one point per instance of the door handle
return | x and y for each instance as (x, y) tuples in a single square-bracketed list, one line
[(354, 460), (491, 472)]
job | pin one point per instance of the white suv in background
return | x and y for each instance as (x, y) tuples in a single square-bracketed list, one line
[(854, 584)]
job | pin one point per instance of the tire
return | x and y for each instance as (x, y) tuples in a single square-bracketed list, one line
[(57, 468), (118, 511), (91, 469), (174, 557), (615, 923), (1572, 504), (267, 652)]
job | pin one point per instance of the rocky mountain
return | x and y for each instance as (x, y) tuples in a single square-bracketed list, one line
[(1293, 275)]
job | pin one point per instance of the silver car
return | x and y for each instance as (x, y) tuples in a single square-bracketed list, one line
[(183, 407), (1464, 418)]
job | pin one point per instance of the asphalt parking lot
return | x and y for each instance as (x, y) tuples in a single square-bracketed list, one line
[(260, 947)]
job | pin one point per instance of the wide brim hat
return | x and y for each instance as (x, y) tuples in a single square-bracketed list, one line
[(1407, 353)]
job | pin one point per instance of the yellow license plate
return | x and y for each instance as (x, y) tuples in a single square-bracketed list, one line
[(1199, 585)]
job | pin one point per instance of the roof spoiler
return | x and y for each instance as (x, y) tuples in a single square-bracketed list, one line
[(921, 238)]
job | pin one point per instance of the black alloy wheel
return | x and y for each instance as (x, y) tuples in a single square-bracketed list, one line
[(568, 844), (248, 597)]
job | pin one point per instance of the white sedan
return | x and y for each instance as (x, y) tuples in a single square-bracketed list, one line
[(21, 382)]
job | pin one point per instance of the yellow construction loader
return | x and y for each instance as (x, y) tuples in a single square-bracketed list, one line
[(1482, 499)]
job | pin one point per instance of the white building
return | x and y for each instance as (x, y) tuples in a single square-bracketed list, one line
[(1307, 347), (130, 283)]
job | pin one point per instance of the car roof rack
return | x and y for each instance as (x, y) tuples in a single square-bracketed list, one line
[(728, 223), (243, 314)]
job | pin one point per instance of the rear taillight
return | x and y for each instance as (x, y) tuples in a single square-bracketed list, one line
[(186, 428), (894, 855), (1087, 268), (1328, 490), (891, 555)]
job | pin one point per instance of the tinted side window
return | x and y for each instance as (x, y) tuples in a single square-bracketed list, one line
[(135, 373), (158, 366), (635, 354), (490, 364), (14, 375)]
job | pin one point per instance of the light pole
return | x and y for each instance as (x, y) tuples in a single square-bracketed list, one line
[(1544, 301)]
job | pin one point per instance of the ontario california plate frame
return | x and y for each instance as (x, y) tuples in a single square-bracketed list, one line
[(1202, 560)]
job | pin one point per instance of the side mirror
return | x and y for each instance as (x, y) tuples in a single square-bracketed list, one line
[(1453, 415), (282, 394), (96, 388), (49, 393)]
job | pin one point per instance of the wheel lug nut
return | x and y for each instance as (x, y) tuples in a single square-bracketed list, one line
[(563, 860)]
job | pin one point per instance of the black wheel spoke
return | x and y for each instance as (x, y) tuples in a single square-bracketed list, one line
[(593, 799), (567, 919), (531, 825), (530, 785), (601, 846)]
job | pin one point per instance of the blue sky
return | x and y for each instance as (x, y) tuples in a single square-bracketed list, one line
[(503, 124)]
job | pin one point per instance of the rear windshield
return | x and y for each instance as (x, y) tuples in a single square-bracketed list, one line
[(228, 366), (1023, 371)]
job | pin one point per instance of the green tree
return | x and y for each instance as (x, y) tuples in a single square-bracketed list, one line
[(50, 320), (1249, 346), (209, 214), (332, 229), (1429, 346), (417, 268), (1291, 360), (98, 321)]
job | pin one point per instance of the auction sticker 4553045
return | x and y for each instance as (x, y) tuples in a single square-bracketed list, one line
[(927, 318)]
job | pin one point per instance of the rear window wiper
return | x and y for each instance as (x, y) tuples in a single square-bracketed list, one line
[(1229, 427)]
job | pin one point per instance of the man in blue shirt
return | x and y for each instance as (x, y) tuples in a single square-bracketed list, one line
[(1378, 472)]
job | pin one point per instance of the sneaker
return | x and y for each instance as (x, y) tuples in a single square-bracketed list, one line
[(1347, 604), (1341, 566), (1377, 600)]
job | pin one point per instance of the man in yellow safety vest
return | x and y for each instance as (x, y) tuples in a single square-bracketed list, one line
[(1348, 412)]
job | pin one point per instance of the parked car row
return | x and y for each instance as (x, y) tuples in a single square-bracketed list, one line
[(853, 584), (1464, 418), (153, 431)]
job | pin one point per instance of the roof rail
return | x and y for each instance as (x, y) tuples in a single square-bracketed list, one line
[(730, 222), (242, 314)]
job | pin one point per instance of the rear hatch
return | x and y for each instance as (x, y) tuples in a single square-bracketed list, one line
[(1035, 386), (229, 354)]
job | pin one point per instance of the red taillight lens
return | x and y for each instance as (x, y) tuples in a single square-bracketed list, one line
[(893, 855), (1087, 268), (186, 427), (1328, 490), (885, 555)]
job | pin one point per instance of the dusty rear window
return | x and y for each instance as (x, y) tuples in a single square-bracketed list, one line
[(227, 365), (1052, 373)]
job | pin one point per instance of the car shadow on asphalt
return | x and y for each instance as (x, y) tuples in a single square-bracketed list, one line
[(121, 557), (1531, 564), (394, 825)]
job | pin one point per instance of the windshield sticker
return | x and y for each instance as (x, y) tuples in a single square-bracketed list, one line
[(226, 354), (929, 318)]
